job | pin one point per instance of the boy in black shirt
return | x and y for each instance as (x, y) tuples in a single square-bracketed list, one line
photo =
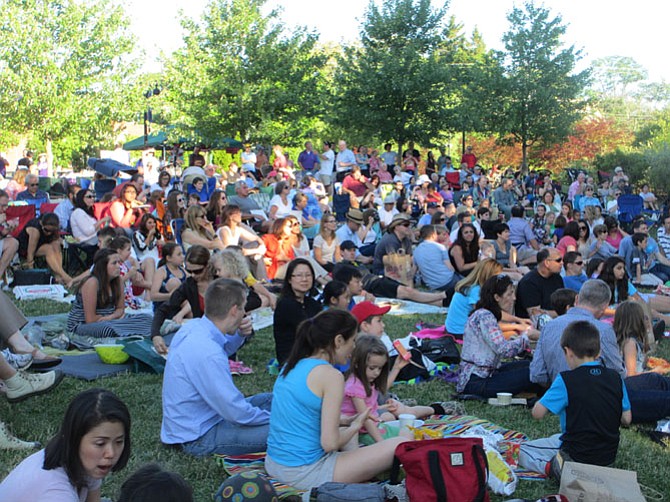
[(591, 400)]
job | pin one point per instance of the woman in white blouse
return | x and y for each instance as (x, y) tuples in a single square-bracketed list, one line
[(84, 224), (280, 205)]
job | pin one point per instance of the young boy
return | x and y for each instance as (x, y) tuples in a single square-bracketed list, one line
[(591, 400), (563, 299), (638, 261)]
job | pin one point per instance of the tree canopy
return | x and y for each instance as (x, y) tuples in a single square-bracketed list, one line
[(65, 66)]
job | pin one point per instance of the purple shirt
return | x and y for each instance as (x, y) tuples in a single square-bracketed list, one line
[(308, 159)]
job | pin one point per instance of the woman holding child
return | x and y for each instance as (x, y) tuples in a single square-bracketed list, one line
[(307, 431), (482, 371)]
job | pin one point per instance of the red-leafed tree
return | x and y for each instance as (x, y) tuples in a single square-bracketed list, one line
[(591, 137)]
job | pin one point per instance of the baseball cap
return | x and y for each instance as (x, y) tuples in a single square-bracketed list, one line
[(348, 244), (364, 310)]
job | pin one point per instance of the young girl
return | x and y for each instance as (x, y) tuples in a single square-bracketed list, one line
[(368, 376), (131, 271), (146, 241), (633, 332), (306, 428), (170, 274), (93, 440)]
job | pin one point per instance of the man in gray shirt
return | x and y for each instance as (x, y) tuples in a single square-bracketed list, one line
[(344, 161)]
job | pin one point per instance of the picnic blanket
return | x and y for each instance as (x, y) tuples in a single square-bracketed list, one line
[(449, 425), (407, 307), (88, 366)]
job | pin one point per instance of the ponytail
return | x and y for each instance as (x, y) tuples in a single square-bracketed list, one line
[(318, 333)]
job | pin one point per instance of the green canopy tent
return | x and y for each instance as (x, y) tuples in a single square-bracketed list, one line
[(160, 140), (154, 140)]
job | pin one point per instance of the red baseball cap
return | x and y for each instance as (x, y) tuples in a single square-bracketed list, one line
[(364, 310)]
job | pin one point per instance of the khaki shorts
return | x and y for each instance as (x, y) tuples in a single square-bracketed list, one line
[(326, 179), (304, 477)]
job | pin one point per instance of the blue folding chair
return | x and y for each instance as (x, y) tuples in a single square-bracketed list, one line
[(176, 225), (630, 206)]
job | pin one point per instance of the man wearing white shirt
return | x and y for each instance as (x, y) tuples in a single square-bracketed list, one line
[(345, 160)]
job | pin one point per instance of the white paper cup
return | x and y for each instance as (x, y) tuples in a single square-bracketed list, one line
[(504, 398), (406, 420)]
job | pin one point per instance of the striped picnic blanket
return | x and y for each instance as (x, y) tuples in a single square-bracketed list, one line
[(449, 425)]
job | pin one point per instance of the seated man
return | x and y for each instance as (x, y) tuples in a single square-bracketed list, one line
[(533, 293), (203, 411), (432, 259), (252, 213), (522, 237), (32, 191)]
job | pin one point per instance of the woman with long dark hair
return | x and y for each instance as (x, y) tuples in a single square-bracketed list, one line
[(306, 430), (482, 371), (84, 224), (99, 307), (294, 306), (464, 253), (188, 300)]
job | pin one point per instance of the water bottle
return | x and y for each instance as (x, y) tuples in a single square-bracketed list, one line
[(35, 335)]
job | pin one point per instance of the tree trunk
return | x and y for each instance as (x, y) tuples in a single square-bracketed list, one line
[(50, 157), (524, 157)]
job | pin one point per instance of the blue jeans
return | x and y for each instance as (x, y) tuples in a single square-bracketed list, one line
[(661, 271), (229, 438), (511, 377), (649, 395)]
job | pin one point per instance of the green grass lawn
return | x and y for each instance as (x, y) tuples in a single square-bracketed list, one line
[(38, 418)]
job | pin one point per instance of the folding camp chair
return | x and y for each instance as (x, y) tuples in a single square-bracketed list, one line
[(630, 206), (24, 213), (454, 180), (176, 225), (341, 204)]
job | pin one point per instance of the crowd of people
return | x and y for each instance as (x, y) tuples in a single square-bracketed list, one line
[(518, 260)]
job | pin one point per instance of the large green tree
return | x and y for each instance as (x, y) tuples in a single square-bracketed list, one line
[(64, 65), (395, 83), (536, 94), (241, 73)]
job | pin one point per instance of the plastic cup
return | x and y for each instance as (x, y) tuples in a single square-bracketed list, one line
[(504, 398), (406, 420)]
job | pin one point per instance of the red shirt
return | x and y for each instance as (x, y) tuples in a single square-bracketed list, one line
[(358, 187)]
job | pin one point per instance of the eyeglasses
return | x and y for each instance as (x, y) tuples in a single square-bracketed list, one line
[(34, 185), (405, 224), (582, 228), (181, 199), (89, 197), (195, 270)]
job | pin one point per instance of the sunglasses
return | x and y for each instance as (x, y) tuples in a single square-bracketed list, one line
[(557, 260), (180, 200), (582, 228), (195, 270), (34, 185), (578, 262), (89, 197), (405, 224)]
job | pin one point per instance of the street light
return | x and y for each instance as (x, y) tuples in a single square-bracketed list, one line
[(147, 114)]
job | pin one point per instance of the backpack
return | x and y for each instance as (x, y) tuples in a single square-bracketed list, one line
[(443, 470)]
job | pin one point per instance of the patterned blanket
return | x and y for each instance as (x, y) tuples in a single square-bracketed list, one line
[(449, 425)]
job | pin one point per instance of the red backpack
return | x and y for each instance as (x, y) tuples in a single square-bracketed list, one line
[(443, 470)]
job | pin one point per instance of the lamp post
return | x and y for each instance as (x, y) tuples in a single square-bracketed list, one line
[(147, 114)]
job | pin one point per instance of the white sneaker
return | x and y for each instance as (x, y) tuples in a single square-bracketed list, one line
[(24, 385), (9, 442), (18, 361)]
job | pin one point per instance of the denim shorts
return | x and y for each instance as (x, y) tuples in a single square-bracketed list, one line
[(304, 477)]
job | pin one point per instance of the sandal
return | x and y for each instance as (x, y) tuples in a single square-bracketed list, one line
[(44, 362)]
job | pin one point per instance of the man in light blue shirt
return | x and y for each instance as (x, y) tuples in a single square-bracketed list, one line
[(432, 260), (203, 411), (548, 360), (344, 161)]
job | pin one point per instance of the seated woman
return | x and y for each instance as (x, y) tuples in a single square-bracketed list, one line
[(176, 208), (615, 276), (163, 184), (326, 245), (9, 246), (41, 237), (506, 253), (568, 241), (336, 295), (136, 277), (198, 230), (188, 300), (93, 441), (233, 232), (280, 206), (482, 371), (169, 275), (614, 232), (279, 248), (84, 224), (126, 211), (301, 250), (466, 295), (306, 429), (98, 310), (294, 306), (464, 253), (215, 206), (146, 242)]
